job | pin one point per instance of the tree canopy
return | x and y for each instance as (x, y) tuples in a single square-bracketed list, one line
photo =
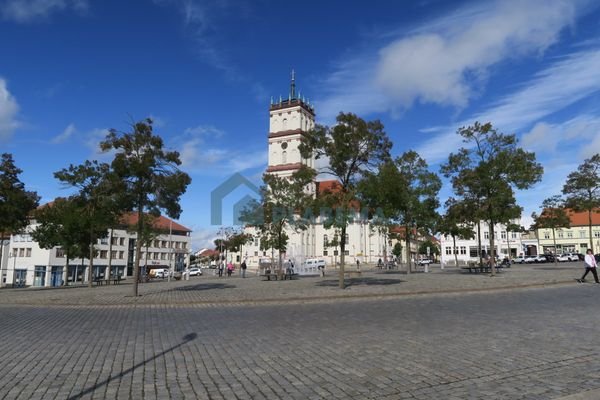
[(406, 193), (16, 203), (150, 175), (352, 147), (553, 216), (582, 190), (486, 172)]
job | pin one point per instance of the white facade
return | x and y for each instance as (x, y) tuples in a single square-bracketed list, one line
[(507, 244), (25, 264)]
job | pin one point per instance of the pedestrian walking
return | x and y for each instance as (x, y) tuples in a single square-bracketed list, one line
[(229, 269), (243, 268), (357, 264), (221, 268), (590, 265)]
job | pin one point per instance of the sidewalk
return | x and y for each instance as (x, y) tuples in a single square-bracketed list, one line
[(209, 290)]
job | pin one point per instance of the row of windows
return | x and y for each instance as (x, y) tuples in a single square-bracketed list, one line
[(120, 255), (463, 250), (21, 252), (486, 235), (326, 242), (561, 234), (513, 235), (120, 241)]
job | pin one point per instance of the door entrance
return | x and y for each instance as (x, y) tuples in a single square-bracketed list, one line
[(39, 277), (20, 276), (56, 277)]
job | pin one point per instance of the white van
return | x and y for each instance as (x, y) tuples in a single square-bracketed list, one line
[(159, 273)]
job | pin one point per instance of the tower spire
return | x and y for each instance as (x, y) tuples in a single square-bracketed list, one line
[(293, 86)]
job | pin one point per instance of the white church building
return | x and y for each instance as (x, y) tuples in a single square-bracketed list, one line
[(289, 120)]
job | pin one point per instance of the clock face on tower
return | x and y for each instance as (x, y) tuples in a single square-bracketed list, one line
[(284, 145)]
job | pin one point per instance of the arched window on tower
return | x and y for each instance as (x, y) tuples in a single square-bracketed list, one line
[(284, 124), (325, 241), (284, 157)]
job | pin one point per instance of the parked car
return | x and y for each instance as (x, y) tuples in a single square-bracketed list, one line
[(540, 258), (518, 260), (530, 259), (549, 257), (195, 271), (568, 257), (424, 261)]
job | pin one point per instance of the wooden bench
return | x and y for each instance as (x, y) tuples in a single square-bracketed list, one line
[(481, 268), (270, 275), (99, 280)]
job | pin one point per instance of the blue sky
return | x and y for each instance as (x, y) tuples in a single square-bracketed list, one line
[(205, 71)]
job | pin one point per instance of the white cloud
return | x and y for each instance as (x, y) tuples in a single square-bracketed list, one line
[(8, 112), (30, 10), (198, 153), (562, 84), (202, 237), (580, 132), (445, 62), (92, 141), (66, 134)]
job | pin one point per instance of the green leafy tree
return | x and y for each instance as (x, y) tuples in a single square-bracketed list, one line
[(456, 223), (352, 147), (553, 216), (397, 250), (60, 223), (489, 170), (582, 190), (510, 228), (434, 249), (97, 199), (16, 203), (150, 175), (406, 192), (282, 205)]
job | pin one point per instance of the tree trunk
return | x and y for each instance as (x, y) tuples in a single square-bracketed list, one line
[(454, 250), (407, 240), (66, 272), (2, 284), (479, 243), (342, 283), (555, 252), (91, 265), (110, 236), (492, 250), (590, 229), (138, 250)]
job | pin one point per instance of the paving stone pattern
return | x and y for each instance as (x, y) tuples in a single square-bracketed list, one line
[(524, 344)]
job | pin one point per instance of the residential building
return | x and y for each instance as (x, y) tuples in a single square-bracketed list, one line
[(25, 264), (506, 244), (576, 238)]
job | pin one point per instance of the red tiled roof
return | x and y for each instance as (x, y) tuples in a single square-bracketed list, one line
[(161, 222), (581, 218), (130, 219), (328, 186)]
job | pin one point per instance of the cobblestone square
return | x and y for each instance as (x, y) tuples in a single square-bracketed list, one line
[(515, 344)]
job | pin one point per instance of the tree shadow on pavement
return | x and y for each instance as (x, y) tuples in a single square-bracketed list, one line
[(186, 339), (361, 281), (203, 286)]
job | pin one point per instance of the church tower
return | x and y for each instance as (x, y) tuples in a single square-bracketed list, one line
[(289, 119)]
